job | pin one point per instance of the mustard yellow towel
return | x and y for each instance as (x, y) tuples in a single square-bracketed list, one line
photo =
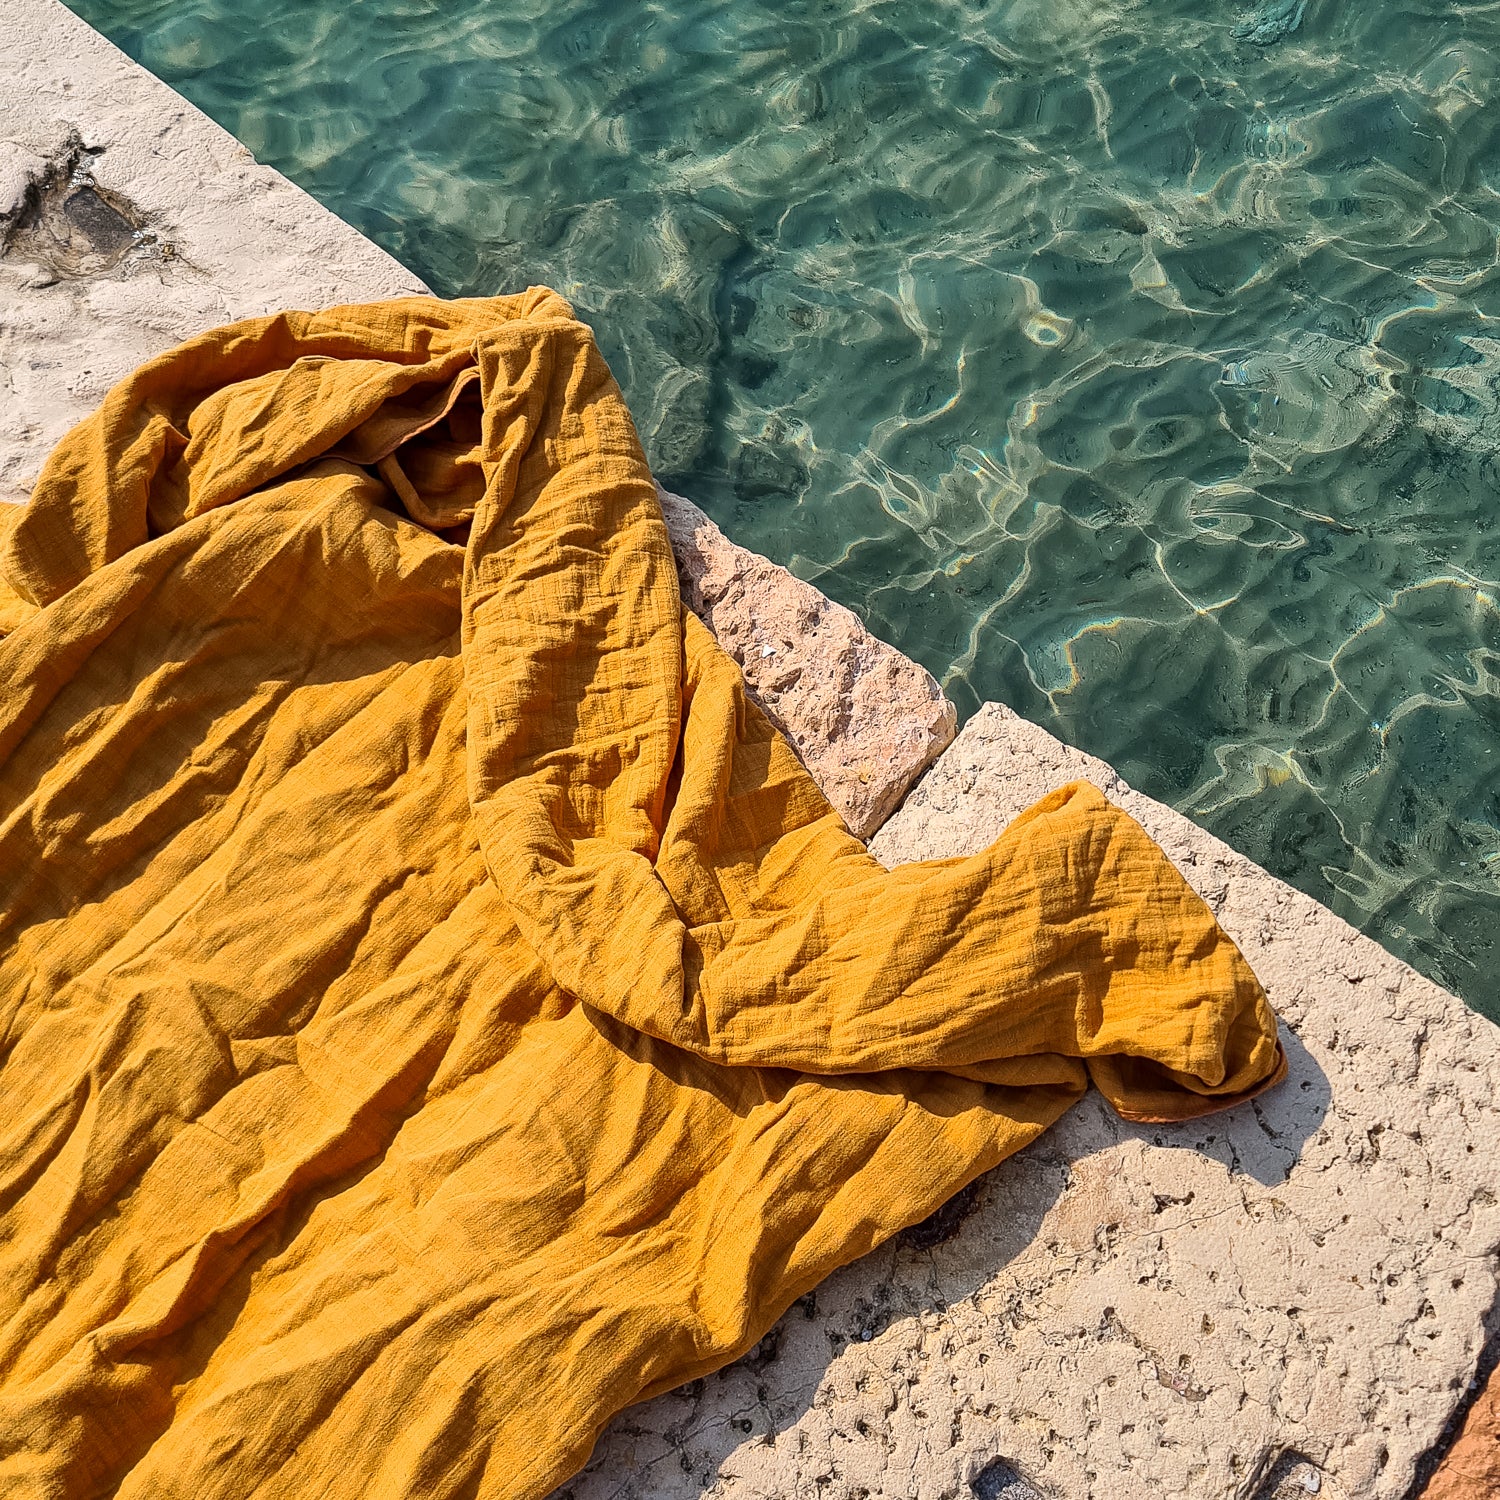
[(437, 1009)]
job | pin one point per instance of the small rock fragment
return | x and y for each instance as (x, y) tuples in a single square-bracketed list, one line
[(998, 1481)]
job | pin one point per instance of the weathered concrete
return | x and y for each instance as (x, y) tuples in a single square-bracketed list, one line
[(1362, 1194), (130, 221), (1286, 1298), (866, 720)]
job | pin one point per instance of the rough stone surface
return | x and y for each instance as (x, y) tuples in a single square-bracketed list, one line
[(1287, 1299), (130, 221), (866, 720)]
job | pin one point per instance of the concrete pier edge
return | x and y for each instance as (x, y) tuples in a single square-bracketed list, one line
[(1294, 1298)]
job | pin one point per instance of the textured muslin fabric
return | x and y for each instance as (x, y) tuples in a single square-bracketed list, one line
[(438, 1010)]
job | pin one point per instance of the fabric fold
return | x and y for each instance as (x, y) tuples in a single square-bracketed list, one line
[(439, 1010)]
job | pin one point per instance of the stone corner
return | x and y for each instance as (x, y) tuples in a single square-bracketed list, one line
[(865, 720)]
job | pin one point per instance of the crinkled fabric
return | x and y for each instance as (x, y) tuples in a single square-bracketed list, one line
[(438, 1009)]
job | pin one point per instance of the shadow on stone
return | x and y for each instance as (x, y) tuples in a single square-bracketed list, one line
[(1262, 1139), (940, 1227), (989, 1235), (679, 1445), (1293, 1476)]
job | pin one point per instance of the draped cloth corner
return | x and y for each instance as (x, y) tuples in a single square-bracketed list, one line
[(438, 1010)]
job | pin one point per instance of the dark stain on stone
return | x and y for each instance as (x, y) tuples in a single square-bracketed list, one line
[(70, 225), (95, 224), (998, 1481), (940, 1227)]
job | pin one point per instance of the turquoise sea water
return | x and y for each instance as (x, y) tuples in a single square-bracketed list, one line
[(1136, 362)]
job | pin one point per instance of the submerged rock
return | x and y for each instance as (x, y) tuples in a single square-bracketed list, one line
[(1272, 23)]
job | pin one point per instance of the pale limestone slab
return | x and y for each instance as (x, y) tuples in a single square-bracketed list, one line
[(865, 720)]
